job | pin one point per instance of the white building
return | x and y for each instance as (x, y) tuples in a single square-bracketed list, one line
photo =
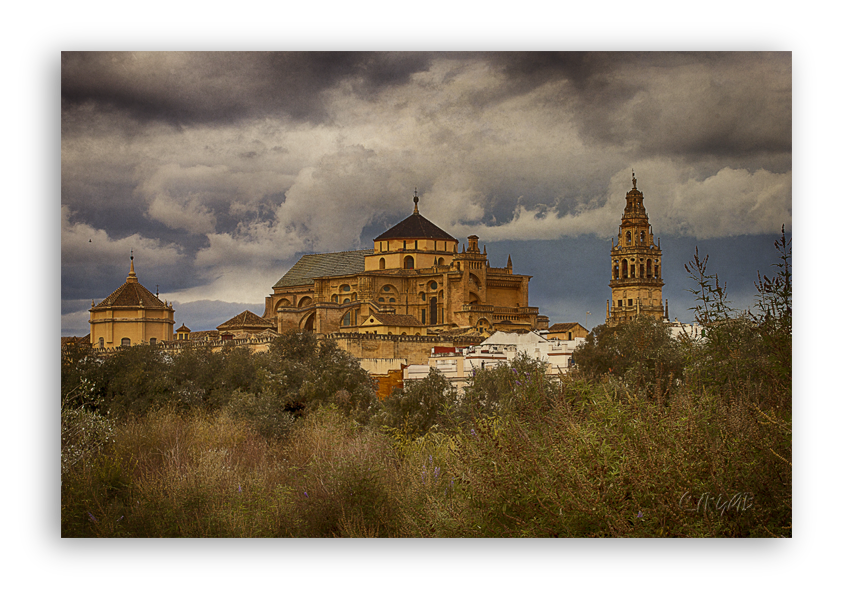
[(457, 364), (692, 331)]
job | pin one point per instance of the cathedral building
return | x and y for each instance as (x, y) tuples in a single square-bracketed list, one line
[(415, 273), (130, 315), (636, 266)]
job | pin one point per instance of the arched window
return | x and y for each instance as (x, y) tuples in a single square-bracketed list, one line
[(152, 340), (386, 288), (649, 268), (125, 342), (101, 342), (408, 263), (642, 237), (382, 262), (628, 237), (433, 311), (345, 288), (335, 298), (433, 285), (441, 261), (625, 268)]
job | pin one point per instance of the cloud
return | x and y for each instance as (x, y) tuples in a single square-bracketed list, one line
[(731, 202), (191, 215), (220, 169), (220, 88), (83, 244)]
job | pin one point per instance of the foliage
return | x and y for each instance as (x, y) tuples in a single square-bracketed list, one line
[(746, 356), (414, 410), (302, 371), (774, 315), (133, 380), (84, 431), (269, 418), (201, 378), (641, 351), (494, 391)]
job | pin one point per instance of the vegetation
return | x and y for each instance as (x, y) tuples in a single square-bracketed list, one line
[(652, 437)]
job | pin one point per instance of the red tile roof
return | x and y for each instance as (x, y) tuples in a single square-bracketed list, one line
[(246, 319), (131, 294)]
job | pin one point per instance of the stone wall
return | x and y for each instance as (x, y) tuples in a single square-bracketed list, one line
[(415, 350)]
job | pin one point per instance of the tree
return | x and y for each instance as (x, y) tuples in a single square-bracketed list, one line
[(301, 370), (641, 351), (774, 318), (417, 408)]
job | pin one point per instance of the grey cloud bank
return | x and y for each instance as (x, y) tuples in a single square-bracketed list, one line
[(220, 169)]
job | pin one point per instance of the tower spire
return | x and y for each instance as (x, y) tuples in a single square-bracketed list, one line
[(416, 201), (633, 177), (131, 277)]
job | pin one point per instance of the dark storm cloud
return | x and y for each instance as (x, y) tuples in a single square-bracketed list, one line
[(684, 104), (223, 87), (219, 169)]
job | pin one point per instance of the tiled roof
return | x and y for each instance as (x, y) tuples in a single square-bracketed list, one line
[(198, 335), (312, 266), (395, 319), (246, 319), (131, 294), (416, 227), (563, 327), (80, 340)]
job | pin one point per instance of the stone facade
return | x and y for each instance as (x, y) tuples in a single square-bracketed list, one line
[(415, 269), (413, 349), (636, 266)]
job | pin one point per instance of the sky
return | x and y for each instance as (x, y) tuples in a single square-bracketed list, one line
[(219, 170)]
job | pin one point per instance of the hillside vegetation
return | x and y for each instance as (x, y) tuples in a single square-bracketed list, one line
[(652, 437)]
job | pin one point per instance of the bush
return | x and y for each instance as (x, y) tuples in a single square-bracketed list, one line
[(303, 371), (641, 351), (417, 408), (502, 389), (263, 411)]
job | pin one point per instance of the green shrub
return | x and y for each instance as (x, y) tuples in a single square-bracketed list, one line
[(263, 411), (641, 351), (417, 408), (502, 389), (303, 371)]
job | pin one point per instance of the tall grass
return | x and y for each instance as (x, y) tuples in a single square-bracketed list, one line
[(594, 459)]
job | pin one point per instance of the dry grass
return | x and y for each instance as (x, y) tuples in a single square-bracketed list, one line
[(594, 459)]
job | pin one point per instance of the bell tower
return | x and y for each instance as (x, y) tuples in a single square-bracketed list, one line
[(636, 266)]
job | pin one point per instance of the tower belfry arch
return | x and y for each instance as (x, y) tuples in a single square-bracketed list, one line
[(636, 266)]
